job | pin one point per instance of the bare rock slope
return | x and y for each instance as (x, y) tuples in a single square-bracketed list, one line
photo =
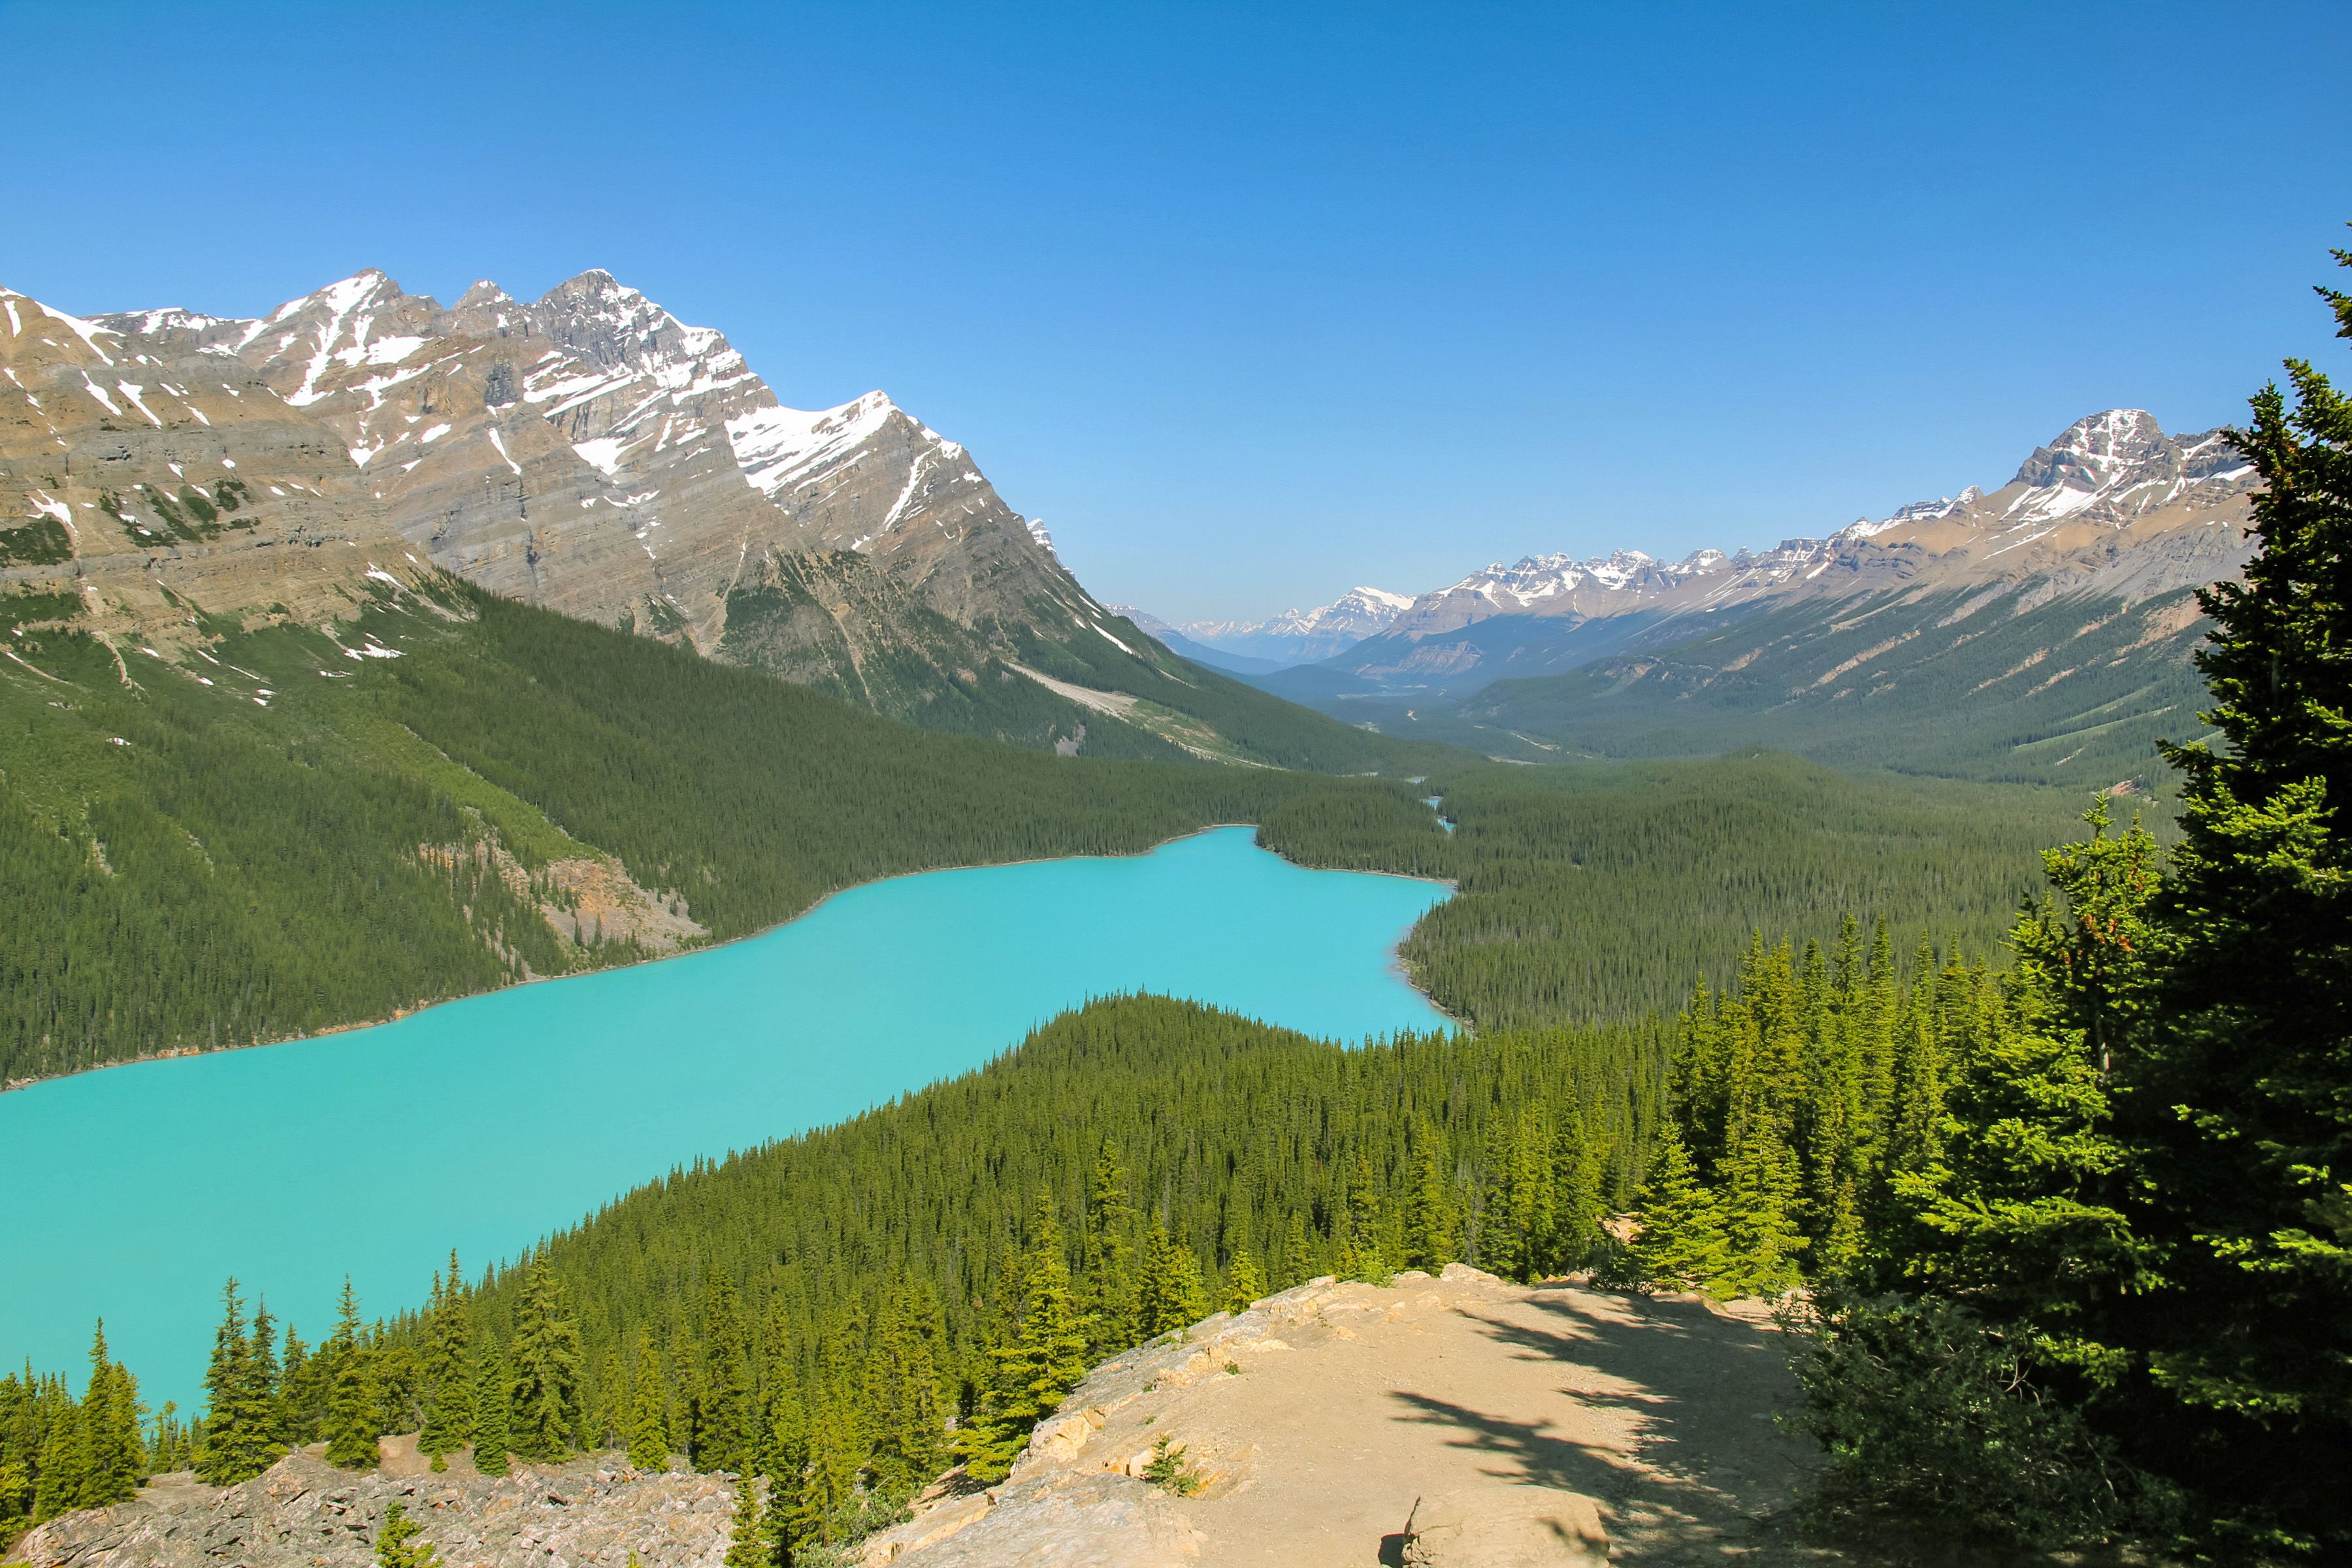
[(594, 1513), (586, 451), (1453, 1420)]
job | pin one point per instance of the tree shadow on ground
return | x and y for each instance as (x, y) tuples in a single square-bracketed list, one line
[(1704, 1474)]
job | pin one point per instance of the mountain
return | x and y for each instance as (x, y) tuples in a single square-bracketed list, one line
[(176, 473), (1295, 636), (2039, 632), (1177, 643), (2111, 506)]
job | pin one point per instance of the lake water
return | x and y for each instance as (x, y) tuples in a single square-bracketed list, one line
[(486, 1123)]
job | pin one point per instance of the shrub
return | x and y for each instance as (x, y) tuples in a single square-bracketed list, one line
[(1930, 1417)]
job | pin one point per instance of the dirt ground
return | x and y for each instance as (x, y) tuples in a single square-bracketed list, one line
[(1460, 1420)]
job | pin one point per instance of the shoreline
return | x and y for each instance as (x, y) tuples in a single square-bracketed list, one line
[(14, 1085)]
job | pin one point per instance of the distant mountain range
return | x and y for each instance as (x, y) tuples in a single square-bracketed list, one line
[(586, 451), (2063, 594), (1294, 636)]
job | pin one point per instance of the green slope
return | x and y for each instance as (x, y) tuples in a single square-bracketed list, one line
[(2075, 691)]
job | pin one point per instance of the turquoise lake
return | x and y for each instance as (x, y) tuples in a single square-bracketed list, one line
[(486, 1123)]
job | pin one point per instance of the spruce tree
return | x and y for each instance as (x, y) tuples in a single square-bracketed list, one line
[(1169, 1294), (1044, 1359), (750, 1543), (2018, 1216), (1430, 1221), (722, 1416), (64, 1465), (113, 1461), (546, 1370), (905, 1381), (493, 1405), (1578, 1166), (1362, 1251), (1245, 1283), (1105, 1261), (649, 1447), (241, 1424), (351, 1398), (1681, 1245), (447, 1370), (2232, 1097)]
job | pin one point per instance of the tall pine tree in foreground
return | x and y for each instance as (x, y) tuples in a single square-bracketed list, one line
[(240, 1437), (351, 1425), (2236, 1097)]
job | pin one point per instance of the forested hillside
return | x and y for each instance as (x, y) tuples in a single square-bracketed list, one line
[(298, 829), (313, 828)]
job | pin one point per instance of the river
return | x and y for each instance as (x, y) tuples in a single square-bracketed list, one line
[(486, 1123)]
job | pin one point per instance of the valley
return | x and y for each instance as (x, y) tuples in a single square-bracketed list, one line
[(2038, 633), (833, 981)]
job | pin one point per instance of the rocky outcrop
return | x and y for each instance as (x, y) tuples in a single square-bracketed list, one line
[(595, 1512), (1457, 1420)]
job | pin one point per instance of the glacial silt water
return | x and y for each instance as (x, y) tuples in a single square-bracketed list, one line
[(486, 1123)]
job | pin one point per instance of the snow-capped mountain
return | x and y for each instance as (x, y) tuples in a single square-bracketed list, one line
[(2112, 500), (585, 451), (1294, 636), (590, 451)]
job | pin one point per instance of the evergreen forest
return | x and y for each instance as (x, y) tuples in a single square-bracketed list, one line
[(2050, 1168), (296, 841)]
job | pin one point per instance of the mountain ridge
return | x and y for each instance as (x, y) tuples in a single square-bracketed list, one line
[(173, 476)]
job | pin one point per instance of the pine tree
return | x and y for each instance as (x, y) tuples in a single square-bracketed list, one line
[(400, 1543), (1106, 1262), (113, 1462), (1169, 1294), (1430, 1224), (2231, 1097), (1681, 1245), (352, 1399), (1362, 1254), (546, 1399), (1045, 1359), (240, 1429), (448, 1379), (649, 1447), (905, 1381), (750, 1543), (64, 1465), (1245, 1283), (493, 1405), (723, 1418)]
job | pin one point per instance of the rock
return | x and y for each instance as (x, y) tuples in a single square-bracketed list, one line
[(301, 1513)]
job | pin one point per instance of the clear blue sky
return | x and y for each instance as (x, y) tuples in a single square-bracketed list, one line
[(1253, 302)]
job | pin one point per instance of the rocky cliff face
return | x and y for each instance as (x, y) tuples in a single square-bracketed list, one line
[(586, 451), (594, 1513)]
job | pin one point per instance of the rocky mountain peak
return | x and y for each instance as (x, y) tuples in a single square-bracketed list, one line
[(2093, 449)]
